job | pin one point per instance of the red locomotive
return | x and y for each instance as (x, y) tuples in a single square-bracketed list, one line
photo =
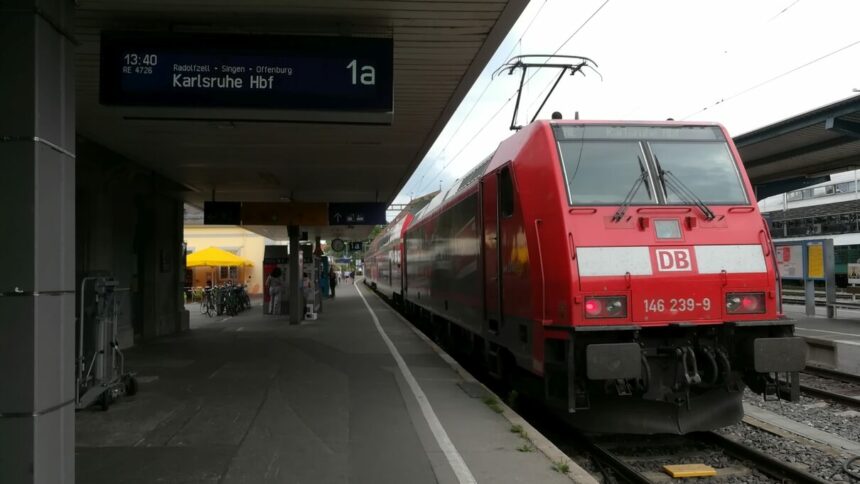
[(621, 270)]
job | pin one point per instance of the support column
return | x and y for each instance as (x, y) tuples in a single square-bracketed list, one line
[(296, 306), (37, 284), (318, 254)]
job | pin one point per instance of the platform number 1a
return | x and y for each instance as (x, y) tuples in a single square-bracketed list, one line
[(364, 74)]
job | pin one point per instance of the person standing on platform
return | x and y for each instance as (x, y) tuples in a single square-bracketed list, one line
[(275, 285), (332, 280)]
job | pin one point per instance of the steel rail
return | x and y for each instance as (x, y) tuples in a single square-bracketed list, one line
[(624, 470), (836, 397), (832, 374), (761, 461), (754, 459)]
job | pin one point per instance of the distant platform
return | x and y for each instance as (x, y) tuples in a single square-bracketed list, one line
[(833, 343)]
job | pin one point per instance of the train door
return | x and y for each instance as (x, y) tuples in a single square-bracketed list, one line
[(391, 270), (490, 249), (401, 252)]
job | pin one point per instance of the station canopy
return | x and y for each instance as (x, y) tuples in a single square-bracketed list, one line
[(803, 150), (271, 153)]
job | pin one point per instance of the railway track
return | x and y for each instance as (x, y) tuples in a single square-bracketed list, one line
[(633, 459), (833, 374), (842, 380), (732, 460)]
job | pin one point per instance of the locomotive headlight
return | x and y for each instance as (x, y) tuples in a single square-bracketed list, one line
[(745, 303), (605, 307)]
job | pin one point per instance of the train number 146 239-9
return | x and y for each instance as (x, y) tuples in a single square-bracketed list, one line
[(676, 305)]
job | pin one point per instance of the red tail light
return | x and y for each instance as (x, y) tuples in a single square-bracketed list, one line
[(745, 303), (593, 307), (606, 307)]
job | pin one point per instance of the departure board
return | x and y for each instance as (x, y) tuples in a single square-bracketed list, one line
[(246, 71)]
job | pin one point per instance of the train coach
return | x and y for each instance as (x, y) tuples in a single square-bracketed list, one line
[(619, 270)]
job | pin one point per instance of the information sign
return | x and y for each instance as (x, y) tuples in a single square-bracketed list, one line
[(853, 273), (364, 213), (789, 258), (815, 269), (247, 71), (355, 246)]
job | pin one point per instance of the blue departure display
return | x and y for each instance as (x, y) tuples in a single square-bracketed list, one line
[(239, 71)]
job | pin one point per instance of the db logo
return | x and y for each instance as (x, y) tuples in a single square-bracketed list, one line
[(673, 260)]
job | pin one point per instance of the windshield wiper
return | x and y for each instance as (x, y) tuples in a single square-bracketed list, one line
[(619, 214), (670, 180)]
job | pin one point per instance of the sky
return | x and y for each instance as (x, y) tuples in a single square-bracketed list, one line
[(742, 63)]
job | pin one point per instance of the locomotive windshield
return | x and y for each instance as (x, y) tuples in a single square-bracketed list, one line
[(706, 168), (603, 172), (603, 163)]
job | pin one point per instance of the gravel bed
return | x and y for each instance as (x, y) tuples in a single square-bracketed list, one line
[(688, 452), (817, 462), (825, 415)]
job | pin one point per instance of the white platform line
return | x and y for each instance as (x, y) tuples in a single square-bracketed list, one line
[(458, 465), (828, 332)]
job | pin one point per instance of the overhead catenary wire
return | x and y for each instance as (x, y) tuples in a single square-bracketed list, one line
[(491, 118), (548, 84), (784, 10), (743, 36), (772, 79), (517, 44)]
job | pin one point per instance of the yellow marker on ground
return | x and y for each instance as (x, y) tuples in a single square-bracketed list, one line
[(690, 470)]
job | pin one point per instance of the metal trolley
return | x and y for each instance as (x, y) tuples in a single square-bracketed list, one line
[(100, 375)]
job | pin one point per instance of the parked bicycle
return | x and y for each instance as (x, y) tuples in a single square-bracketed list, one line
[(225, 299), (207, 303)]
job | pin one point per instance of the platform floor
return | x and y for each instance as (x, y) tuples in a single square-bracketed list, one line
[(251, 399)]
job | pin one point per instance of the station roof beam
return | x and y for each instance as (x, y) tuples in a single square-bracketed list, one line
[(803, 150)]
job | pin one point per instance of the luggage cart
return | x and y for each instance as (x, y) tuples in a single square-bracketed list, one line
[(100, 365)]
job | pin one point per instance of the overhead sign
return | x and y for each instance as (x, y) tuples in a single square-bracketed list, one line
[(363, 213), (789, 259), (293, 213), (265, 213), (247, 71), (355, 246), (222, 213)]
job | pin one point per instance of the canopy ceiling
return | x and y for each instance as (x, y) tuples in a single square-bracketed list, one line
[(440, 47)]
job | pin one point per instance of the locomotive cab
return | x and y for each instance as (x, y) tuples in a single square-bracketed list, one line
[(674, 291)]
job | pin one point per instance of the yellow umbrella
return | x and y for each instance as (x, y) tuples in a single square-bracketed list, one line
[(213, 257)]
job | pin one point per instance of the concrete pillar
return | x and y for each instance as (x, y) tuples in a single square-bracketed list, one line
[(37, 250), (296, 304)]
